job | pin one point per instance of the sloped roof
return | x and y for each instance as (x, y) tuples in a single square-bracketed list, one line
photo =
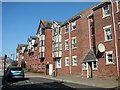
[(32, 37), (101, 4), (90, 56), (46, 24), (77, 16), (59, 22)]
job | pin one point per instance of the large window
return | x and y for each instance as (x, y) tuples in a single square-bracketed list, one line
[(109, 57), (106, 11), (74, 42), (67, 44), (74, 60), (66, 61), (73, 25), (107, 33)]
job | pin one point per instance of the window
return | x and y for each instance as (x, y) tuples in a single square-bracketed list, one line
[(73, 25), (94, 65), (66, 44), (74, 42), (106, 11), (109, 57), (107, 32), (66, 61), (58, 63), (66, 28), (55, 31), (43, 66), (84, 65), (74, 59), (42, 32), (38, 66), (118, 5), (41, 42)]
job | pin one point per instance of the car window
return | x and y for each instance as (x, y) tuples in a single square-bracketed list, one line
[(16, 69)]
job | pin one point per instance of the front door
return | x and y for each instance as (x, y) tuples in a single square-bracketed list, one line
[(90, 69), (47, 69)]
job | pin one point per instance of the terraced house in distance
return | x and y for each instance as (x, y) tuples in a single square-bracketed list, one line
[(30, 53), (44, 34), (20, 54)]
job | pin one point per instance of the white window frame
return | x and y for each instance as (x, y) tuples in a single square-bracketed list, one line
[(65, 44), (67, 62), (103, 11), (93, 65), (109, 52), (105, 28), (67, 28), (74, 61), (58, 63), (84, 66), (73, 24), (74, 43)]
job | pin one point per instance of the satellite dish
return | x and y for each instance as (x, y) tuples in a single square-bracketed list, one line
[(101, 47)]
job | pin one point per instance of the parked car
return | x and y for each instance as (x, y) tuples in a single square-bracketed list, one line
[(14, 72)]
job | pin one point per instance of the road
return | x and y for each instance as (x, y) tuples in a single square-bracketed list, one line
[(42, 83), (0, 82)]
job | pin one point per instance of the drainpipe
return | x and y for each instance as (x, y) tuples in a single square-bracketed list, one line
[(89, 32), (115, 41), (70, 46)]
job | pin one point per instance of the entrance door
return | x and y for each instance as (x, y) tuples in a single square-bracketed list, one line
[(47, 69), (90, 69)]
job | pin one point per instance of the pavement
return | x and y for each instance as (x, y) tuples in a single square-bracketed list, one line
[(77, 79)]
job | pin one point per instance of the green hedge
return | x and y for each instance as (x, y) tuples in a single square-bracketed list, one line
[(32, 71)]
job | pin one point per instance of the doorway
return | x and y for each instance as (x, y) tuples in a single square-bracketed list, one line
[(90, 73)]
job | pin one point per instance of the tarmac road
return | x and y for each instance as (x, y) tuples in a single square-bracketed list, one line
[(42, 83)]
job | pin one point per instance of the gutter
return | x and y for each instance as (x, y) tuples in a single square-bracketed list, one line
[(70, 46)]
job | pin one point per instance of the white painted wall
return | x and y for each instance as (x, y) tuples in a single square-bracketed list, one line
[(50, 69)]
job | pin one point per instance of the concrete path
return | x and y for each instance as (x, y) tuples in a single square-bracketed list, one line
[(98, 82)]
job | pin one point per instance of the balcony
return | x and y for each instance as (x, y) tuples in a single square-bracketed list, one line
[(57, 54)]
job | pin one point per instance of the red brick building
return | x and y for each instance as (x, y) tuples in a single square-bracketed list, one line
[(75, 42), (20, 53), (44, 34), (87, 44), (107, 38)]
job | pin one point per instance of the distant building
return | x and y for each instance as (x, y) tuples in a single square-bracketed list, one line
[(20, 53), (1, 63)]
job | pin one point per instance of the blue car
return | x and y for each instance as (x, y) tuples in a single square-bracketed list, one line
[(14, 72)]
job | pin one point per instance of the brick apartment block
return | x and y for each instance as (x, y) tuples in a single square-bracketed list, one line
[(87, 44), (20, 53), (44, 34)]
